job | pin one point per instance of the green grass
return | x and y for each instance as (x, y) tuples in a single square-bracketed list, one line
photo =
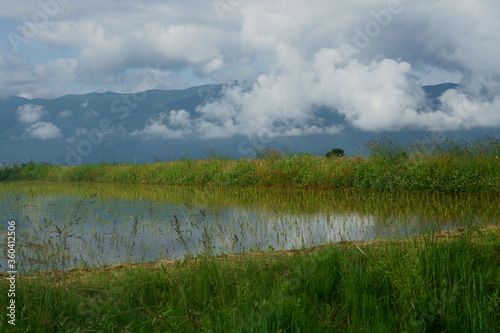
[(425, 284), (428, 165)]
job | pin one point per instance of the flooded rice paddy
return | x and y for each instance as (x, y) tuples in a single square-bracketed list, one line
[(60, 226)]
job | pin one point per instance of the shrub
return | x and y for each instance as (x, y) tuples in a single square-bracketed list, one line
[(335, 152), (33, 171)]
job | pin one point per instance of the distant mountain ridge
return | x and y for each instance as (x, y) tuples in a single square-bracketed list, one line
[(65, 130), (434, 91)]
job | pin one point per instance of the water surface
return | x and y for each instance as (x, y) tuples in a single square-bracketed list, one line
[(60, 226)]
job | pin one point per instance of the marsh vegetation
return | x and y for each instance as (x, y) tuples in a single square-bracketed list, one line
[(273, 244), (66, 225), (425, 165), (426, 284)]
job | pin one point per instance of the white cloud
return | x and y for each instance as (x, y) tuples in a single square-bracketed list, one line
[(289, 54), (30, 113), (180, 118), (179, 126), (460, 111), (65, 114), (60, 70), (44, 131), (374, 97), (20, 78)]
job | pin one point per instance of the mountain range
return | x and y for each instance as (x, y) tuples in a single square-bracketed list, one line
[(98, 127)]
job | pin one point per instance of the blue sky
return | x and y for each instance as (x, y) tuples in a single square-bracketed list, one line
[(365, 59)]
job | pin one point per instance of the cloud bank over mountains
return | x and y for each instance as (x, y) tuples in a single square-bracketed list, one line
[(30, 115), (365, 60)]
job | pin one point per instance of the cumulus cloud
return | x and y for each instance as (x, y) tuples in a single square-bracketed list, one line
[(44, 131), (361, 60), (178, 126), (460, 111), (363, 69), (30, 113), (373, 97)]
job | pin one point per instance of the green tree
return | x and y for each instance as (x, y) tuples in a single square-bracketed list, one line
[(335, 152)]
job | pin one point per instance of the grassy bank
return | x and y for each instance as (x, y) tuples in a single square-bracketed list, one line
[(426, 284), (448, 166)]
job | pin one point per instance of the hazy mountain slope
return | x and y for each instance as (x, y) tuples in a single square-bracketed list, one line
[(70, 129)]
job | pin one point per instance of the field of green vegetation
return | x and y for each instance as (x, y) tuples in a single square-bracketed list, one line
[(428, 165), (426, 284), (444, 278)]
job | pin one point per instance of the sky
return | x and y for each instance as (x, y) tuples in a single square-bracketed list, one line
[(364, 59)]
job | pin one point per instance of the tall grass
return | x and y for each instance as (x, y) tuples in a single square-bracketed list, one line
[(427, 284), (421, 165)]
